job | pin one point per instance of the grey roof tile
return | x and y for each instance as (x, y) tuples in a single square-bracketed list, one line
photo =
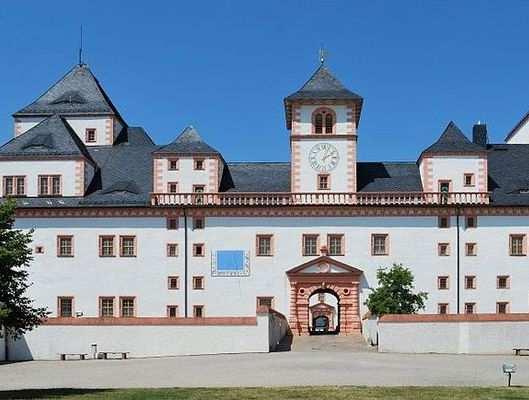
[(77, 92), (259, 176), (51, 137), (452, 140), (388, 177), (188, 142), (324, 86)]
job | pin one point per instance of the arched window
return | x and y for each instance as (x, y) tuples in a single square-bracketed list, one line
[(323, 121)]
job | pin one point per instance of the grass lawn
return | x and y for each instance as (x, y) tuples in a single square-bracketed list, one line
[(316, 393)]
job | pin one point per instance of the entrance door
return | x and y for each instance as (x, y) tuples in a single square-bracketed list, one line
[(321, 324)]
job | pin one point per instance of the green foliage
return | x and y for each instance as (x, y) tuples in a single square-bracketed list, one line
[(394, 294), (17, 313)]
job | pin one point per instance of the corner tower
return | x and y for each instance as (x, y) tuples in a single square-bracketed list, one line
[(322, 118)]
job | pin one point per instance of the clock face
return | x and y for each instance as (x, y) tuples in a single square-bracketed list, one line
[(323, 157)]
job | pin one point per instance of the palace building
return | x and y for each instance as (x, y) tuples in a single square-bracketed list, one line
[(130, 235)]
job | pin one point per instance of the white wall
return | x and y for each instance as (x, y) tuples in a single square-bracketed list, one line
[(47, 341), (412, 241), (22, 124), (454, 168), (521, 136), (498, 337), (32, 169), (304, 126), (104, 135), (186, 176), (370, 330), (2, 345)]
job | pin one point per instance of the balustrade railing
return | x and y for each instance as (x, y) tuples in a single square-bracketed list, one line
[(238, 199)]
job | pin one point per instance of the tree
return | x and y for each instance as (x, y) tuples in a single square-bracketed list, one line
[(17, 313), (394, 294)]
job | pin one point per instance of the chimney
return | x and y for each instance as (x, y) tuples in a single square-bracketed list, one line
[(479, 134)]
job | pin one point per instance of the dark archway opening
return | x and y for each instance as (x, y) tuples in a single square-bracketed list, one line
[(324, 312)]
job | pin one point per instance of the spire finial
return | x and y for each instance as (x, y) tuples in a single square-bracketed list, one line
[(81, 47), (323, 54)]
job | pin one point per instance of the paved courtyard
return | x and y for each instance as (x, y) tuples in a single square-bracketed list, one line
[(320, 360)]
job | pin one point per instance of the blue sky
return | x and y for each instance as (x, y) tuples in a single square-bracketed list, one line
[(225, 66)]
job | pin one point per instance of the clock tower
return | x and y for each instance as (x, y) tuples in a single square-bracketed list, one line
[(322, 118)]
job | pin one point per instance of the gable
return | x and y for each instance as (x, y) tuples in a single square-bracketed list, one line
[(324, 265)]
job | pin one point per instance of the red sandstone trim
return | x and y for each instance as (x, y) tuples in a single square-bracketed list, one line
[(143, 321), (425, 318)]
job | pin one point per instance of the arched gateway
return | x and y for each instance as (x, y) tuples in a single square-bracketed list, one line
[(325, 273)]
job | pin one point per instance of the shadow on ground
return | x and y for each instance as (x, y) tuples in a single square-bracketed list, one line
[(48, 393)]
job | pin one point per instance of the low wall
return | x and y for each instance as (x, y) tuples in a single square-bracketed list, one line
[(370, 330), (468, 334), (2, 345), (144, 337), (278, 328)]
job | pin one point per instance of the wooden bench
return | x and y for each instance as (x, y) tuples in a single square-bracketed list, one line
[(124, 354), (518, 350), (82, 356)]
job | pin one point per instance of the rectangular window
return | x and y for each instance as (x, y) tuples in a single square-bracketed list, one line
[(442, 308), (267, 301), (172, 223), (468, 180), (172, 311), (172, 250), (470, 249), (442, 283), (65, 307), (39, 249), (90, 135), (127, 246), (502, 307), (470, 282), (471, 221), (198, 311), (127, 307), (324, 182), (517, 245), (64, 246), (14, 185), (172, 164), (443, 249), (264, 245), (502, 282), (50, 185), (198, 199), (106, 307), (443, 222), (198, 223), (198, 282), (198, 250), (310, 245), (470, 308), (198, 164), (172, 283), (172, 187), (379, 245), (335, 244), (106, 246)]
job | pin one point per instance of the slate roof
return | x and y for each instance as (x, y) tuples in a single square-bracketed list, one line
[(452, 140), (188, 142), (322, 85), (51, 137), (388, 177), (259, 176), (508, 169), (77, 92)]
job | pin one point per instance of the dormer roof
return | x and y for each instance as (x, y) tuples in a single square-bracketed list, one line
[(188, 142), (452, 140), (324, 86), (77, 92), (51, 137)]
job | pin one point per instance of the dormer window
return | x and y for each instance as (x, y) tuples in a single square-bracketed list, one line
[(323, 121), (90, 135), (50, 185)]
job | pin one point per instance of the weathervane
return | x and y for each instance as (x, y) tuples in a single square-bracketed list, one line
[(81, 48), (323, 54)]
